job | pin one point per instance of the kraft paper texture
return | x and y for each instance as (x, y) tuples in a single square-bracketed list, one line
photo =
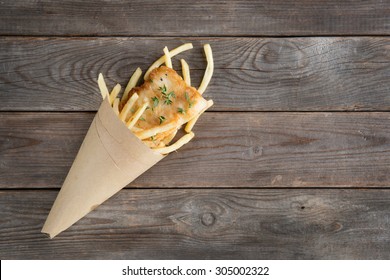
[(110, 157)]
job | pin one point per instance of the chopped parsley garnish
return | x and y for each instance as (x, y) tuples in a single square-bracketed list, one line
[(152, 137), (181, 110), (167, 96), (142, 119), (167, 101), (155, 101), (150, 80), (162, 119), (190, 103), (163, 89)]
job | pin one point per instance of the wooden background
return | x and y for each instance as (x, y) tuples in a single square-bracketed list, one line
[(292, 162)]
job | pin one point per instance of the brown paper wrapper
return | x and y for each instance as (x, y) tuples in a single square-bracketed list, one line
[(110, 157)]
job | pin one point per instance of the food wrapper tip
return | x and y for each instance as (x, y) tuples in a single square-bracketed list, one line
[(110, 157)]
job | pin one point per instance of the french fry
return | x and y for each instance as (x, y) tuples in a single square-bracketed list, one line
[(170, 137), (152, 144), (102, 86), (158, 136), (161, 139), (129, 104), (114, 93), (153, 131), (137, 115), (168, 61), (209, 69), (186, 72), (115, 106), (131, 84), (136, 129), (192, 122), (161, 60), (179, 143), (148, 143)]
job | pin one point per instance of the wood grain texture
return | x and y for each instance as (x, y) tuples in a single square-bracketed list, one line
[(229, 150), (276, 184), (197, 18), (252, 74), (205, 224)]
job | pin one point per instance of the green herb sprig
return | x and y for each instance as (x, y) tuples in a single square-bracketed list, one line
[(163, 89), (161, 119), (190, 102), (155, 101), (167, 96)]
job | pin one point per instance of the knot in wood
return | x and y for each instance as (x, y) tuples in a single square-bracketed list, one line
[(207, 219)]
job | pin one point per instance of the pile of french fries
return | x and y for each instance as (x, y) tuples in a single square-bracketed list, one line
[(130, 116)]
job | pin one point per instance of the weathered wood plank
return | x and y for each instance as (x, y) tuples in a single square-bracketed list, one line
[(205, 224), (252, 74), (229, 150), (197, 18)]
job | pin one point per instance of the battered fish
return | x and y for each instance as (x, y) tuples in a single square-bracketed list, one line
[(171, 103)]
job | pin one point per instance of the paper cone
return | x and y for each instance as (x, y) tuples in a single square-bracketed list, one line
[(110, 157)]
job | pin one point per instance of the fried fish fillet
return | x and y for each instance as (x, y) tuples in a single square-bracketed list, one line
[(171, 103)]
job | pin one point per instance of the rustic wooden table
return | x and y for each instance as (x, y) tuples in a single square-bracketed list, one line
[(292, 162)]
